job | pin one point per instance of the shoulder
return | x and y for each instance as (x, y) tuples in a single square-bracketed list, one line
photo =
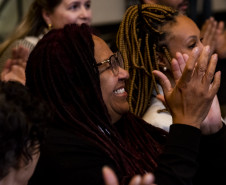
[(154, 116), (68, 158)]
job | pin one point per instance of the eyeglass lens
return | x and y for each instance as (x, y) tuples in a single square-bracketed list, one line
[(116, 62)]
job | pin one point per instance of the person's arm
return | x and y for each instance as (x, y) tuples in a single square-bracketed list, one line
[(189, 103), (178, 163), (212, 160)]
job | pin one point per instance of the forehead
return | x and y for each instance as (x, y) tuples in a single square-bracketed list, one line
[(101, 49), (72, 1), (183, 27), (170, 2)]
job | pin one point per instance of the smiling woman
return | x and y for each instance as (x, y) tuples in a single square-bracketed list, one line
[(112, 83), (83, 82), (43, 15), (69, 12), (158, 33)]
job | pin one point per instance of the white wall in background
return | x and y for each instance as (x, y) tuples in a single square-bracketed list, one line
[(219, 5), (8, 17), (107, 11)]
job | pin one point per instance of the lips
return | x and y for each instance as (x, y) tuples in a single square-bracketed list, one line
[(183, 6)]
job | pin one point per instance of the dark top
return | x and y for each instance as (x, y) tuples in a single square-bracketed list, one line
[(69, 160)]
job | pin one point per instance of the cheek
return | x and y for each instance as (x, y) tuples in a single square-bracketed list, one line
[(89, 14), (60, 20), (107, 85), (71, 18), (67, 18)]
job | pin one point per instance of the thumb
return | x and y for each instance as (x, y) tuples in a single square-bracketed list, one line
[(161, 98), (164, 81)]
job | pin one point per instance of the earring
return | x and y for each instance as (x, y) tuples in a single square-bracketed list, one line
[(50, 26), (164, 68)]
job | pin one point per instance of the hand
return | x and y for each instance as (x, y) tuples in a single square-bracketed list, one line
[(14, 73), (111, 179), (208, 33), (14, 68), (177, 73), (187, 103), (212, 122), (213, 34), (221, 41), (20, 53)]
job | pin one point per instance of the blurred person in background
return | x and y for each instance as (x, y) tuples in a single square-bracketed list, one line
[(42, 16), (23, 121)]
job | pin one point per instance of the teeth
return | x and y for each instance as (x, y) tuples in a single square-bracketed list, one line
[(119, 91)]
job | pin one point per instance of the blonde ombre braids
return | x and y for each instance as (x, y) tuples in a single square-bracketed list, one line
[(138, 39)]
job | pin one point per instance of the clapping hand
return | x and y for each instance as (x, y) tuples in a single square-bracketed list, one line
[(190, 100), (14, 68), (111, 179)]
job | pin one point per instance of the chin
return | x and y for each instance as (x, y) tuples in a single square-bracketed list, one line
[(125, 108)]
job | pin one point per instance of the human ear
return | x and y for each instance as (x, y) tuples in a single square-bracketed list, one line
[(46, 17), (162, 61)]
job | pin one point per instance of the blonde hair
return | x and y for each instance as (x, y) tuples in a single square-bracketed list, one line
[(138, 38), (32, 24)]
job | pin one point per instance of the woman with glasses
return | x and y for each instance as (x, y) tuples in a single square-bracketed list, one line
[(83, 82)]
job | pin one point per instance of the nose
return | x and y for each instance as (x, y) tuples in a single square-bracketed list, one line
[(83, 12), (123, 74)]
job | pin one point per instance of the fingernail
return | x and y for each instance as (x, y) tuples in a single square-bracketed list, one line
[(148, 179), (207, 48), (137, 180), (215, 56), (196, 50)]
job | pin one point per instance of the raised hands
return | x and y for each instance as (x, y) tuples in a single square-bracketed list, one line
[(14, 68), (190, 100), (111, 179), (212, 122), (221, 43), (213, 34)]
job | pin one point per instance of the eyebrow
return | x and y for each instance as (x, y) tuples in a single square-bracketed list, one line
[(191, 37)]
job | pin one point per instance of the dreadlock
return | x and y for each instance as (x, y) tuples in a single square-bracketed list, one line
[(139, 39), (61, 70)]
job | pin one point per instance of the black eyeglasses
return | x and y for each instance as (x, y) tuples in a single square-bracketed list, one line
[(115, 61)]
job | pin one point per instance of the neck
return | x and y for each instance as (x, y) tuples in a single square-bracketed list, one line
[(115, 119), (12, 179)]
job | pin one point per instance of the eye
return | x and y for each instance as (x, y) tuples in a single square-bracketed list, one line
[(191, 46), (74, 6), (88, 5), (104, 67)]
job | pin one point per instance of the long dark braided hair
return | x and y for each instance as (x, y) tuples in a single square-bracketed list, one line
[(139, 38), (61, 69)]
